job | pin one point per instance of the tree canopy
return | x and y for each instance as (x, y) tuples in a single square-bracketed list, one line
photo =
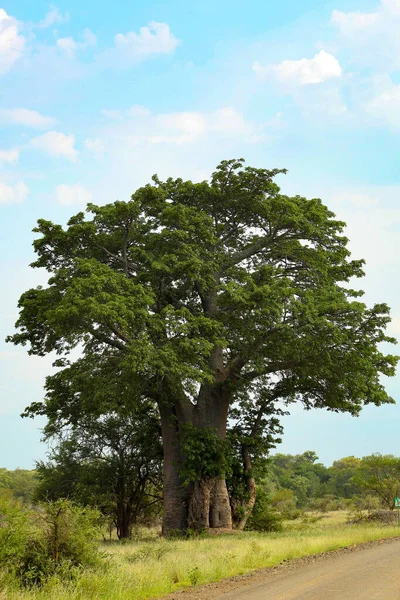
[(199, 293)]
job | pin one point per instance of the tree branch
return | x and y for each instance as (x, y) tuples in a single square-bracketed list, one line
[(120, 334), (246, 253), (102, 337), (122, 259)]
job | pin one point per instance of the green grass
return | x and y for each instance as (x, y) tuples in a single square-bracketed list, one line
[(155, 567)]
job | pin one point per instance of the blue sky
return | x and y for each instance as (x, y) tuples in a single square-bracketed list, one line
[(95, 98)]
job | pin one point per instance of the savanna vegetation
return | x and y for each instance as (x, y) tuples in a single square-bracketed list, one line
[(185, 322)]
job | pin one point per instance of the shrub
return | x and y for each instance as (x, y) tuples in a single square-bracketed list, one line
[(379, 516), (14, 529), (327, 503), (267, 521), (386, 517), (264, 516), (368, 503), (284, 501), (57, 538)]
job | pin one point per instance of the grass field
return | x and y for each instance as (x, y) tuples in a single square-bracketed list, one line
[(149, 567)]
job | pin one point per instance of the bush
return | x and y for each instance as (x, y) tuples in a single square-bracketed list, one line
[(264, 517), (284, 501), (326, 504), (368, 503), (57, 538), (14, 529), (386, 517), (267, 521), (379, 516)]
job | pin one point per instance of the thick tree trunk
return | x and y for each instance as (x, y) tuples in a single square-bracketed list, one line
[(209, 505), (220, 508), (205, 503), (174, 492), (199, 505)]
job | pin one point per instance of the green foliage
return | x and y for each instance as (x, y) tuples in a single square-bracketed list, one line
[(205, 454), (264, 516), (326, 503), (254, 430), (342, 477), (21, 482), (197, 294), (56, 539), (285, 501), (301, 474), (112, 463), (379, 474), (134, 280), (15, 529)]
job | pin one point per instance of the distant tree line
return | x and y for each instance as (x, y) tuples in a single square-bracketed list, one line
[(295, 482), (103, 470)]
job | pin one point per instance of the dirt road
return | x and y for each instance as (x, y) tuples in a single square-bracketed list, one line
[(369, 574)]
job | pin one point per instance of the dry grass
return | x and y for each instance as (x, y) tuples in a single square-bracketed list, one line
[(152, 568)]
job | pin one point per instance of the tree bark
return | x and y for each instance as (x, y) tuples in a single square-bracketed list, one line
[(199, 505), (220, 508), (250, 484), (124, 522), (209, 505), (174, 492), (205, 503)]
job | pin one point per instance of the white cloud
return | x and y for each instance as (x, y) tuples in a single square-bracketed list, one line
[(13, 194), (385, 106), (139, 127), (353, 22), (188, 126), (154, 39), (70, 46), (175, 144), (391, 6), (321, 101), (357, 199), (88, 37), (372, 37), (12, 43), (53, 17), (55, 143), (111, 114), (132, 47), (95, 146), (321, 67), (23, 116), (394, 327), (192, 123), (136, 110), (228, 120), (68, 195), (9, 156)]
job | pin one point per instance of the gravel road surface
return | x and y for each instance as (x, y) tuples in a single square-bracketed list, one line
[(369, 574)]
